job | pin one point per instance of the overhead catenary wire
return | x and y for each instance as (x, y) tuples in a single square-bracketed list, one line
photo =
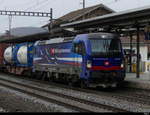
[(41, 22), (23, 4), (35, 5), (112, 2), (10, 17), (42, 5), (38, 3)]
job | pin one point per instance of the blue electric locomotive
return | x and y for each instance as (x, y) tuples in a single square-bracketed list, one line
[(94, 59)]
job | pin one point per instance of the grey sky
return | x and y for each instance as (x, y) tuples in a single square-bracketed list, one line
[(60, 7)]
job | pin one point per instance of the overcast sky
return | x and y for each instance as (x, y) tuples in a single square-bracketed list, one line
[(60, 8)]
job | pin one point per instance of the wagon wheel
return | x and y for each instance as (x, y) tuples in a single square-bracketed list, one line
[(43, 76), (50, 77)]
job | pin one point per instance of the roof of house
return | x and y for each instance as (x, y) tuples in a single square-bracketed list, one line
[(79, 13)]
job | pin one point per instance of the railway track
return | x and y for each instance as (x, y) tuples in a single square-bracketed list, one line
[(128, 94), (130, 97), (134, 95), (123, 94), (68, 101)]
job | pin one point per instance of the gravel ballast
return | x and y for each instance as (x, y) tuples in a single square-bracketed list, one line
[(13, 101), (100, 98)]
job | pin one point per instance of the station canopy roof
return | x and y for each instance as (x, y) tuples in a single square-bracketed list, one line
[(124, 20), (35, 36), (22, 34), (28, 38), (121, 19)]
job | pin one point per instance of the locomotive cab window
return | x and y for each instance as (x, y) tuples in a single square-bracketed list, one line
[(78, 48), (105, 47)]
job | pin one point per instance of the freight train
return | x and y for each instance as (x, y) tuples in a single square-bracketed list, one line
[(89, 60), (18, 58)]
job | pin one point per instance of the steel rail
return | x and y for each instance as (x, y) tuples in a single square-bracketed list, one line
[(85, 105)]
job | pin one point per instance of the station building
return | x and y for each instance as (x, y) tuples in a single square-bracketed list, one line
[(81, 14), (144, 53)]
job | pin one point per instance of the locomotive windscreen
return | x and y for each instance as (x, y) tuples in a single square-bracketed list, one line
[(105, 47)]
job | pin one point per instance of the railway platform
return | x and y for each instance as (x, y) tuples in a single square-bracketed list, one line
[(142, 83)]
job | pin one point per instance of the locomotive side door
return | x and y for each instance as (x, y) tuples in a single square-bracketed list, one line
[(78, 55)]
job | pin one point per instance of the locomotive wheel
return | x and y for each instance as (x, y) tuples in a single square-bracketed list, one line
[(50, 77), (44, 75), (39, 75)]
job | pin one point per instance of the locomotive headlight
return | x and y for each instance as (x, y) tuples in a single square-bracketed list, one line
[(122, 65), (89, 64)]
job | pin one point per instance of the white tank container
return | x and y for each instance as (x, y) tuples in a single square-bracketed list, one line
[(8, 54), (22, 55)]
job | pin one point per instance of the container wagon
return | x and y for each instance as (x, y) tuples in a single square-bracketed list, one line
[(2, 49), (18, 58)]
